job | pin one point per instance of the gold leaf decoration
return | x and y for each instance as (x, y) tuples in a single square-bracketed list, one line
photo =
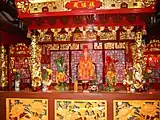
[(80, 110), (26, 109), (136, 110)]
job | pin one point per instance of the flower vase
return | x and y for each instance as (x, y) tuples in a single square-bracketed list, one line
[(17, 85), (44, 86)]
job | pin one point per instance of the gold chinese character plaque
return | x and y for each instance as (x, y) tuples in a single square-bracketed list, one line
[(80, 109), (136, 109), (26, 109)]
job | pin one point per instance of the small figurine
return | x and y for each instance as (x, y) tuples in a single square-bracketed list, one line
[(46, 81), (94, 86)]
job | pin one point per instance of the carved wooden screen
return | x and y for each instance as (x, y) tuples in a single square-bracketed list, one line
[(55, 55), (97, 59), (120, 65), (74, 62)]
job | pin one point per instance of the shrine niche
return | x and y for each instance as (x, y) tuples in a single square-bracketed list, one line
[(99, 47), (19, 63), (108, 28), (152, 53)]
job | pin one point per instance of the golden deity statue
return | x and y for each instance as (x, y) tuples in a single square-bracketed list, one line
[(86, 70)]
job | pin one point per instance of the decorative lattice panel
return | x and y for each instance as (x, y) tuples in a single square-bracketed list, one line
[(120, 65), (75, 59), (55, 55), (26, 109), (96, 57), (136, 110), (80, 110)]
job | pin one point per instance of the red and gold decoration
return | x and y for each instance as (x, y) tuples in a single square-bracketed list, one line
[(35, 62), (83, 4), (89, 33), (136, 75), (46, 78), (86, 68), (77, 109), (61, 75), (139, 63), (26, 109), (3, 67), (136, 109), (110, 74), (40, 6), (19, 64), (152, 53)]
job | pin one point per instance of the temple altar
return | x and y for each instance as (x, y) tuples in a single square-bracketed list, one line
[(80, 60)]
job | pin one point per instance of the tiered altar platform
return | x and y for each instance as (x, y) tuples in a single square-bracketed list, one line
[(54, 105)]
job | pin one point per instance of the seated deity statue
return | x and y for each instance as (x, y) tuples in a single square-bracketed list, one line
[(86, 70)]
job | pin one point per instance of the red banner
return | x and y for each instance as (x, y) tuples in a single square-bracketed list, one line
[(83, 4)]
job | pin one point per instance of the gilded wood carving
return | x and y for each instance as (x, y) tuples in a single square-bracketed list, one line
[(26, 109), (136, 109), (80, 109)]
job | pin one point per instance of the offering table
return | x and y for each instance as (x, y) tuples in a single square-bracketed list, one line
[(54, 105)]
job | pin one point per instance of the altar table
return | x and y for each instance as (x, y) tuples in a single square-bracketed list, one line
[(53, 105)]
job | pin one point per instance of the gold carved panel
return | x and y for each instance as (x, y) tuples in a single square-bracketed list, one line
[(26, 109), (62, 37), (120, 45), (136, 109), (108, 36), (98, 46), (64, 46), (109, 45), (74, 46), (80, 109), (127, 35), (55, 47)]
